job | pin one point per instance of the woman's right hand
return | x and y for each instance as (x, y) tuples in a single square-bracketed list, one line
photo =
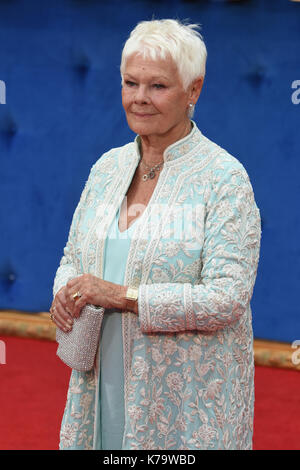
[(58, 312)]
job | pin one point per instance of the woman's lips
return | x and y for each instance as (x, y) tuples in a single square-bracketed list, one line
[(143, 115)]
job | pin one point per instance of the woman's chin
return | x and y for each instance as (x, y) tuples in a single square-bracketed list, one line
[(143, 128)]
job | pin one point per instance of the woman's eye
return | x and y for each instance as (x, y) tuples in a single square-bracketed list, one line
[(158, 85), (129, 83)]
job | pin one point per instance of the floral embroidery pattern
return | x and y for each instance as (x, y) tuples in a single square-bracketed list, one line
[(188, 356)]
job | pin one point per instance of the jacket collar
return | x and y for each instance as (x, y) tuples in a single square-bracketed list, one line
[(180, 148)]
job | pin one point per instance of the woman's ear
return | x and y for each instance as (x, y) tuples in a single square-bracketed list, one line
[(196, 88)]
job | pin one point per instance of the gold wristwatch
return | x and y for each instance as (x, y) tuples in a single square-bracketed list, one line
[(132, 294)]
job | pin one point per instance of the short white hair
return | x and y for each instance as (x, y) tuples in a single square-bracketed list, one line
[(158, 38)]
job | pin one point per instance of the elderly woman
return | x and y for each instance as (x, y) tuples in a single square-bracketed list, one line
[(166, 238)]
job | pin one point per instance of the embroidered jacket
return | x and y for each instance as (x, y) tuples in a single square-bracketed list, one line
[(188, 354)]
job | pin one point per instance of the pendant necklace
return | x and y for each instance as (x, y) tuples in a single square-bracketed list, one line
[(151, 170)]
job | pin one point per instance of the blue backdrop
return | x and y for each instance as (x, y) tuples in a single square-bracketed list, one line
[(61, 109)]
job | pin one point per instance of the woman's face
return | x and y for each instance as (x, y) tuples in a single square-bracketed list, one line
[(153, 98)]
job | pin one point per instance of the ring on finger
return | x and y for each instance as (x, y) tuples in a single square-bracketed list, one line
[(76, 296), (52, 310)]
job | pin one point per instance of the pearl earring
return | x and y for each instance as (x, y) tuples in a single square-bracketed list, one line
[(191, 110)]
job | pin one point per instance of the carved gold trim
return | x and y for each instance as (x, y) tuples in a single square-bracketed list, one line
[(275, 354), (27, 325), (38, 325)]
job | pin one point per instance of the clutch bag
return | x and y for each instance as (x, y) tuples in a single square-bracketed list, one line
[(77, 348)]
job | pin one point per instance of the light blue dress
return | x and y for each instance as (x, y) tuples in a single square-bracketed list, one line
[(112, 414)]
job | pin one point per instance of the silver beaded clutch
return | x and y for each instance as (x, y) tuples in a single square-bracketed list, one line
[(77, 348)]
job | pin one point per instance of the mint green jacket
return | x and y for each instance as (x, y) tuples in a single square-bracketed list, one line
[(188, 354)]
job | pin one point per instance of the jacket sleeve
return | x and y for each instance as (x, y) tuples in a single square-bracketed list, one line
[(229, 264), (68, 268)]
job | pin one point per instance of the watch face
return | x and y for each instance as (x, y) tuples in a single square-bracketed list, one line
[(132, 293)]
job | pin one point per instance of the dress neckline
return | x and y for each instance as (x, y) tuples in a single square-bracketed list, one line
[(130, 226)]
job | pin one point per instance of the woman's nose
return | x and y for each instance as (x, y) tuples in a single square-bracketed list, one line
[(141, 95)]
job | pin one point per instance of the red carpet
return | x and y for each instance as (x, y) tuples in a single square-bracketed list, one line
[(33, 393)]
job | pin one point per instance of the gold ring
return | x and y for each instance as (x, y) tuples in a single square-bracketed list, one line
[(52, 310), (76, 296)]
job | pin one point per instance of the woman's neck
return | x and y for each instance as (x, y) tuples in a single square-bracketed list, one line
[(153, 146)]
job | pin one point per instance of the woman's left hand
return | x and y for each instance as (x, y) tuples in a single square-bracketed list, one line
[(95, 291)]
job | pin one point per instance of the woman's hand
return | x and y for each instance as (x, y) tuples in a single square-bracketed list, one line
[(59, 313), (95, 291)]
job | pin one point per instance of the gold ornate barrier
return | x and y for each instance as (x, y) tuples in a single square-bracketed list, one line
[(27, 325), (39, 325), (276, 354)]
